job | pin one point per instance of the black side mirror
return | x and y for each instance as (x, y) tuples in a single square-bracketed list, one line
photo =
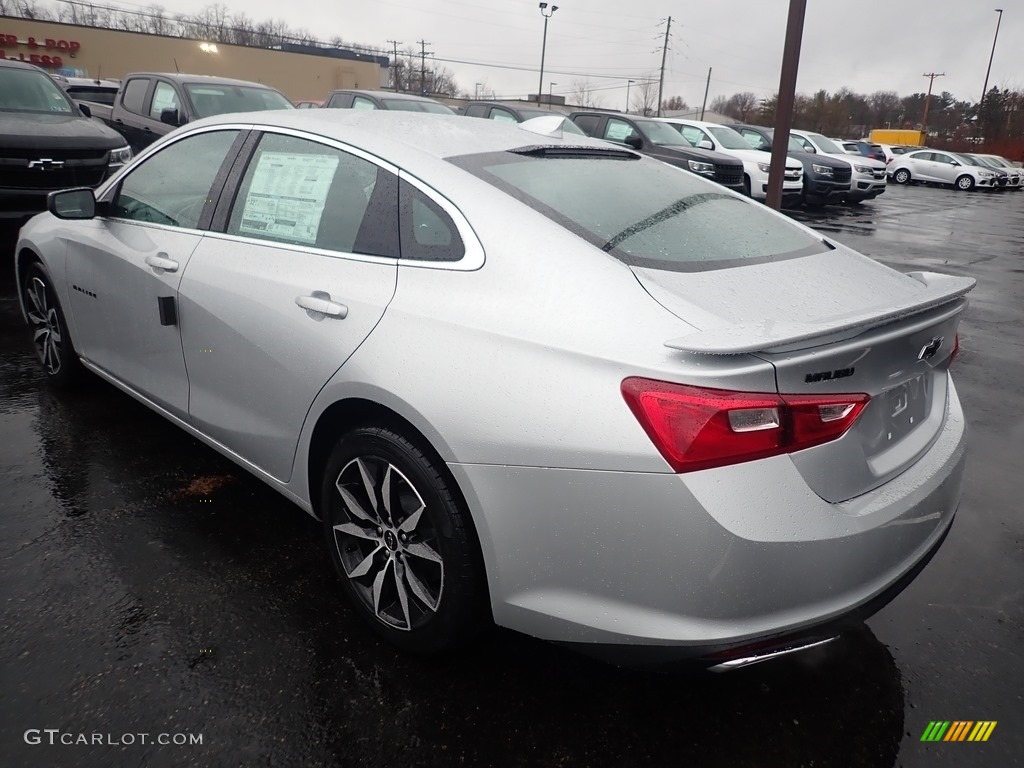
[(170, 117), (634, 142), (78, 203), (85, 110)]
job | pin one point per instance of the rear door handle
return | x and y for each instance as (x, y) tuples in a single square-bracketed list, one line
[(160, 261), (319, 302)]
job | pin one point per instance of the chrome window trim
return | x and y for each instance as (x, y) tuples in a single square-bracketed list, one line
[(363, 257)]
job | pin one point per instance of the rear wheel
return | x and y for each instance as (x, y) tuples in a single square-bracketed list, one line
[(746, 186), (404, 547), (965, 183), (50, 335), (902, 176)]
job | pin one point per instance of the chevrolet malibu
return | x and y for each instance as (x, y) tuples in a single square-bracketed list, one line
[(522, 379)]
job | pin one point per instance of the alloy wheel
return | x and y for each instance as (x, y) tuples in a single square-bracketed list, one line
[(387, 544), (965, 182), (46, 330)]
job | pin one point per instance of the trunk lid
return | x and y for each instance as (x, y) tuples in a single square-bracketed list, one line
[(835, 322)]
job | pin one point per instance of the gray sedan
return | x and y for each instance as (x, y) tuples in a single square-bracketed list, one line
[(523, 379)]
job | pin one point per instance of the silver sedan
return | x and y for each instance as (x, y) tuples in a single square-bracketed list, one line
[(521, 378)]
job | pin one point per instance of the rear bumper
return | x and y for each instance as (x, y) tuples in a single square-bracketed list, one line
[(694, 564)]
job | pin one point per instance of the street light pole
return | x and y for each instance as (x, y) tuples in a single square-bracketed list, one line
[(628, 83), (544, 45), (984, 88)]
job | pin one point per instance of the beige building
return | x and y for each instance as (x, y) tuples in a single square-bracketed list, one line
[(74, 50)]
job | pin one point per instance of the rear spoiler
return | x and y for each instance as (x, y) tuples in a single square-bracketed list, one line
[(767, 335)]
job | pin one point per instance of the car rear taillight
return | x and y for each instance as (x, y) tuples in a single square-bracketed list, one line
[(697, 428)]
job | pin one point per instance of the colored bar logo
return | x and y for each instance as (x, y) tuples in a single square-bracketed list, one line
[(958, 730)]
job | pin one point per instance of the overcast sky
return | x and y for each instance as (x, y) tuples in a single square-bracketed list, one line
[(866, 45)]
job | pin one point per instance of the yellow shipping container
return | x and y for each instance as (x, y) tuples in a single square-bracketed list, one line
[(899, 138)]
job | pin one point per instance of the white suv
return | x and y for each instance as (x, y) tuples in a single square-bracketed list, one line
[(756, 162), (868, 180)]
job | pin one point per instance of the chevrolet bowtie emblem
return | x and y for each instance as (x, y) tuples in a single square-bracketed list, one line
[(46, 164)]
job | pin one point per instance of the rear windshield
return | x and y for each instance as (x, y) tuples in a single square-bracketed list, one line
[(30, 90), (96, 95), (644, 212), (411, 105), (212, 100)]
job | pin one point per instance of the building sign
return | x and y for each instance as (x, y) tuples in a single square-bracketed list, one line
[(44, 53)]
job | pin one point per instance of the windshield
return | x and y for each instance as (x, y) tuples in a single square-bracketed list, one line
[(967, 159), (728, 138), (210, 100), (641, 211), (30, 90), (411, 105), (825, 144), (662, 134)]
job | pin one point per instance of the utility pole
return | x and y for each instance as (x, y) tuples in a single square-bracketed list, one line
[(628, 83), (396, 81), (423, 64), (984, 88), (928, 100), (787, 98), (664, 52), (706, 89)]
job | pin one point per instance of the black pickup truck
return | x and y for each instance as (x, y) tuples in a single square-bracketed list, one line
[(662, 142), (47, 142), (152, 104)]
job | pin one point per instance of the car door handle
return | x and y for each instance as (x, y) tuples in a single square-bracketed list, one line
[(320, 303), (160, 261)]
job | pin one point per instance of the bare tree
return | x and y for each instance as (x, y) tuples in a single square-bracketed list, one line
[(582, 93), (645, 97), (676, 103)]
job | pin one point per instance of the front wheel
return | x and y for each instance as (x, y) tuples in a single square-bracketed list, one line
[(400, 540), (50, 335), (965, 182), (902, 176)]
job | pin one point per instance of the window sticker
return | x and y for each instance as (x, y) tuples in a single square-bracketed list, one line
[(287, 196), (618, 131)]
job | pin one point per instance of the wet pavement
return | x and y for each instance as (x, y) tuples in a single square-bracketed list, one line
[(149, 586)]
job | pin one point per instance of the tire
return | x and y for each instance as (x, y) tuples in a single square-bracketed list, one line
[(411, 565), (50, 337), (902, 176), (746, 186), (965, 183)]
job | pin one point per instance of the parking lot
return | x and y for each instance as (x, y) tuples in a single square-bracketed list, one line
[(150, 586)]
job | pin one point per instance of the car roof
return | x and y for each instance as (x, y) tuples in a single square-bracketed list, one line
[(384, 94), (399, 136), (187, 79), (15, 64)]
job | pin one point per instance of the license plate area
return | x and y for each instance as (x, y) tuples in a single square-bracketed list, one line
[(906, 407)]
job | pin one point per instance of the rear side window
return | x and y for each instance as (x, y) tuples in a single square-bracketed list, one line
[(135, 95), (427, 232), (476, 110), (587, 123), (300, 192), (644, 212), (340, 101)]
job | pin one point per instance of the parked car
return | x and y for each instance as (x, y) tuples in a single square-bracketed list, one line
[(1006, 165), (868, 181), (756, 163), (933, 167), (546, 381), (152, 104), (663, 142), (825, 179), (508, 113), (94, 91), (47, 142), (848, 146), (309, 104), (872, 150), (1003, 175), (405, 102)]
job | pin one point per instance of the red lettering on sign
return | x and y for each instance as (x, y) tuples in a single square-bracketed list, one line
[(10, 39), (58, 61), (32, 43), (50, 43), (74, 45)]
